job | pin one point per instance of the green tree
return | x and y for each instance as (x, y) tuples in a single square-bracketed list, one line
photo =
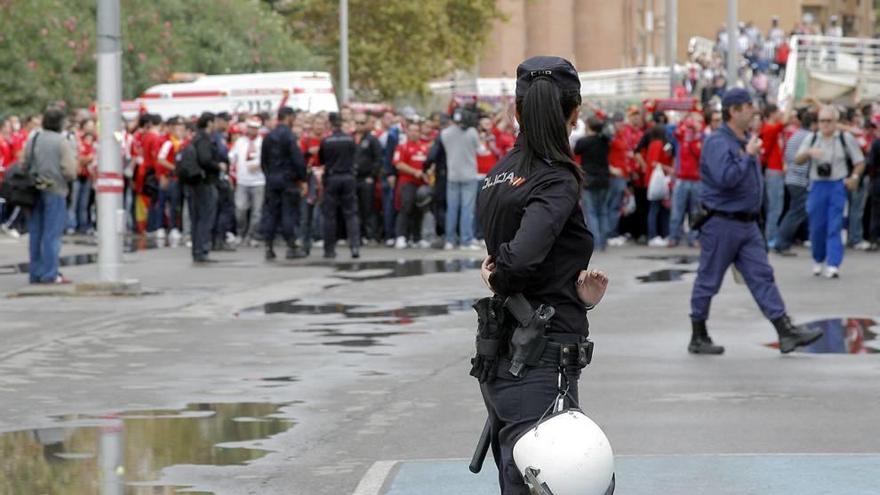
[(396, 47), (47, 46)]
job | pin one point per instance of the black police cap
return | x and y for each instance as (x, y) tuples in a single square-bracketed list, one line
[(557, 69)]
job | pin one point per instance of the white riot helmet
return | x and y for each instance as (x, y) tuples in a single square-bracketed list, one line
[(566, 453)]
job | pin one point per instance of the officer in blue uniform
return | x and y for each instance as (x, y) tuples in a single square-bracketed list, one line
[(285, 169), (731, 192)]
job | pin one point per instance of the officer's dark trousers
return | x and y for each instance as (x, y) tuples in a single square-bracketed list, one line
[(225, 221), (515, 405), (724, 242), (874, 235), (202, 212), (366, 193), (340, 190), (281, 206)]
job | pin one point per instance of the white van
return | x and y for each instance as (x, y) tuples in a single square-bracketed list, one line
[(242, 94)]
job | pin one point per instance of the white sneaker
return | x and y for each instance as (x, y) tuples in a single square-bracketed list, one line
[(807, 244), (10, 232), (160, 233), (231, 238), (818, 268), (448, 246), (618, 241), (657, 242), (472, 247), (831, 272), (389, 243), (400, 243), (862, 246), (174, 236), (423, 244), (319, 243)]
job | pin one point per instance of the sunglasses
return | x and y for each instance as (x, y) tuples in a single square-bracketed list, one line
[(360, 122), (826, 121)]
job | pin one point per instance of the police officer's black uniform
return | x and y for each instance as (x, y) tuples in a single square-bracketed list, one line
[(203, 196), (535, 232), (284, 167), (336, 154), (368, 165)]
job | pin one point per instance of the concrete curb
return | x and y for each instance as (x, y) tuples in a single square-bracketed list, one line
[(130, 288)]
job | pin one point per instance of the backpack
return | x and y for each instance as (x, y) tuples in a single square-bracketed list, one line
[(186, 165), (19, 187)]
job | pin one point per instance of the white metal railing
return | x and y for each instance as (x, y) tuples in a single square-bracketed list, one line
[(831, 68), (635, 83)]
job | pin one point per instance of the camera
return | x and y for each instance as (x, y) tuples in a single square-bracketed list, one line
[(823, 170), (466, 116)]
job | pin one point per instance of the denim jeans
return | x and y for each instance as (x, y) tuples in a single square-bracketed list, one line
[(615, 201), (460, 200), (595, 206), (775, 191), (389, 214), (156, 215), (175, 204), (794, 217), (248, 199), (78, 211), (656, 214), (685, 198), (825, 205), (857, 201), (46, 226)]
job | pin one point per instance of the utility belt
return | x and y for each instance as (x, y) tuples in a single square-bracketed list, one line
[(739, 216), (512, 338)]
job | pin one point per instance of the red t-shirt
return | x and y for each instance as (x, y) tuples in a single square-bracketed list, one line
[(486, 161), (771, 135), (167, 151), (6, 157), (656, 154), (617, 154), (86, 150), (414, 155), (307, 142), (19, 139), (691, 142), (503, 140)]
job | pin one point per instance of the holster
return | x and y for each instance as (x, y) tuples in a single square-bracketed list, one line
[(700, 219), (528, 341), (492, 332)]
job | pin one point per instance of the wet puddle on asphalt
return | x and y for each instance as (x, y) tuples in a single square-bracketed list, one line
[(676, 259), (668, 275), (131, 246), (126, 452), (384, 269), (842, 336)]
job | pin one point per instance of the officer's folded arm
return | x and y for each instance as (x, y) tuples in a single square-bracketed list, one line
[(727, 169), (546, 212)]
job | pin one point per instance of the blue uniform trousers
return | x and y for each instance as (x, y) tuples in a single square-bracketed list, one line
[(825, 204), (722, 242)]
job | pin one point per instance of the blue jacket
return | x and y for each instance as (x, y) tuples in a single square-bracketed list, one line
[(730, 179), (281, 158)]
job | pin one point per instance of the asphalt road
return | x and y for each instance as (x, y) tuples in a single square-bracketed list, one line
[(335, 368)]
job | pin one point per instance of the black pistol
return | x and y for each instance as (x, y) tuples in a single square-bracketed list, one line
[(528, 341)]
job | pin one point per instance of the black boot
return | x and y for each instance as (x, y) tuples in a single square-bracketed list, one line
[(700, 341), (270, 253), (791, 336), (355, 252)]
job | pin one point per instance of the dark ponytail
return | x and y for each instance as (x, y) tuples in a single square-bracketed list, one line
[(543, 115)]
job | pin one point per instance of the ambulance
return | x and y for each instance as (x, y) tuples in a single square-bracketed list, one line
[(240, 94)]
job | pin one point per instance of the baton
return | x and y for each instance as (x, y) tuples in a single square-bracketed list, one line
[(482, 449)]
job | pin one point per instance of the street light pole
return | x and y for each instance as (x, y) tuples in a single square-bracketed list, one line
[(671, 41), (343, 51), (110, 183), (732, 44)]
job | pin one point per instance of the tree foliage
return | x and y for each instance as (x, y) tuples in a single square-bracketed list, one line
[(396, 47), (47, 47)]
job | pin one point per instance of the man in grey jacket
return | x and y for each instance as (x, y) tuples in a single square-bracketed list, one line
[(51, 160), (461, 142)]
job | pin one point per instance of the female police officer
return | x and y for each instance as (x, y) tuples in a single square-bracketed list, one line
[(539, 247)]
